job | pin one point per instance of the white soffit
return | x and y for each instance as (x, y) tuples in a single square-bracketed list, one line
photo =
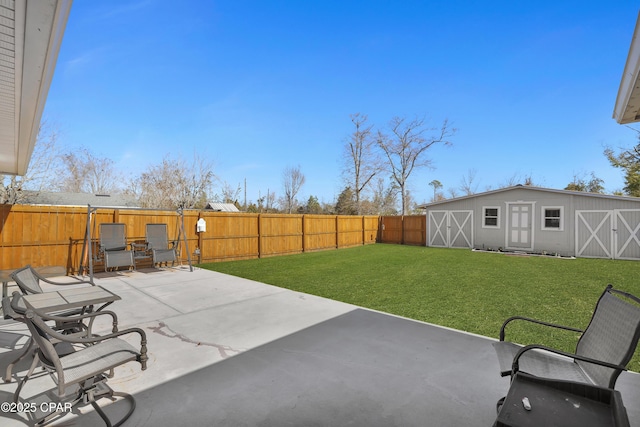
[(627, 109), (30, 36)]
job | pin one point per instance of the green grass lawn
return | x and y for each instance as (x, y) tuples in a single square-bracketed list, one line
[(461, 289)]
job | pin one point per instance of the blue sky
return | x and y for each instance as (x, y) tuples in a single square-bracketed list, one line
[(257, 86)]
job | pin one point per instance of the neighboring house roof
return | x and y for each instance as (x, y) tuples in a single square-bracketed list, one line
[(533, 189), (31, 33), (79, 199), (222, 207)]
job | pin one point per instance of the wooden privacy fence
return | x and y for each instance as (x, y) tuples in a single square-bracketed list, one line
[(55, 235), (403, 230)]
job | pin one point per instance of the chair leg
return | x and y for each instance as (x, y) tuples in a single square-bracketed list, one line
[(34, 364), (99, 390), (25, 351)]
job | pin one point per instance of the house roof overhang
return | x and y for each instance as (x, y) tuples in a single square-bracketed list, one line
[(627, 108), (30, 37)]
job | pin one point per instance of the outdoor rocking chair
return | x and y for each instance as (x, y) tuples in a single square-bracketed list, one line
[(604, 349), (113, 246), (83, 361), (158, 244)]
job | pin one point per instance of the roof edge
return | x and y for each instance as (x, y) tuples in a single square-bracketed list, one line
[(529, 188)]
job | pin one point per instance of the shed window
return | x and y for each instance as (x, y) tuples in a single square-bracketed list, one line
[(552, 218), (491, 217)]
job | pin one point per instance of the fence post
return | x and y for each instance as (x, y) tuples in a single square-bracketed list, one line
[(259, 236), (337, 233), (200, 248), (304, 233)]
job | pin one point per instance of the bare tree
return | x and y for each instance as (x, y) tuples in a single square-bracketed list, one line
[(229, 194), (42, 170), (384, 199), (517, 179), (84, 172), (361, 161), (404, 149), (468, 185), (175, 184), (292, 180)]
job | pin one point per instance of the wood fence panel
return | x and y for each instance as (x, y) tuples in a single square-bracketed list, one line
[(349, 231), (370, 229), (319, 232), (391, 229), (408, 229), (40, 236), (414, 230), (280, 234), (229, 236)]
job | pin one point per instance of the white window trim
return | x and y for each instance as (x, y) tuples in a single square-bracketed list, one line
[(484, 210), (543, 227)]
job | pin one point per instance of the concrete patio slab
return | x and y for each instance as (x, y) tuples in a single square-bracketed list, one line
[(227, 351)]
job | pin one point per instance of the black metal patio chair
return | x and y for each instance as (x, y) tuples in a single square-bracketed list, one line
[(603, 351)]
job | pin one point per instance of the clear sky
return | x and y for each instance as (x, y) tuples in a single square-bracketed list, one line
[(256, 86)]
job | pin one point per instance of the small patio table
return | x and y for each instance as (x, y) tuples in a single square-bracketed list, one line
[(48, 302)]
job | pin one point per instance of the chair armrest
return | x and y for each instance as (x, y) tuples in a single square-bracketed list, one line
[(52, 282), (37, 319), (93, 314), (539, 322), (516, 366), (76, 282)]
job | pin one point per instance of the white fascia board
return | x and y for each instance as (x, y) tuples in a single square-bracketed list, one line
[(627, 108), (43, 27)]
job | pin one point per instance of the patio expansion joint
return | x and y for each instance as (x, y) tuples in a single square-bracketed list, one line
[(142, 291)]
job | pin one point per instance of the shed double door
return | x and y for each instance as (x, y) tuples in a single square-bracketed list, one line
[(608, 234), (450, 229)]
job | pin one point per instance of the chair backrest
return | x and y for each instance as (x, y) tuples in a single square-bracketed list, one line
[(157, 236), (112, 236), (27, 280), (612, 335), (39, 332)]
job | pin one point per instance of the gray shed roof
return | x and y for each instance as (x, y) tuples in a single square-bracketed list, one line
[(79, 199), (529, 188)]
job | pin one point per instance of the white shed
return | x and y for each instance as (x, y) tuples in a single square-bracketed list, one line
[(538, 220)]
